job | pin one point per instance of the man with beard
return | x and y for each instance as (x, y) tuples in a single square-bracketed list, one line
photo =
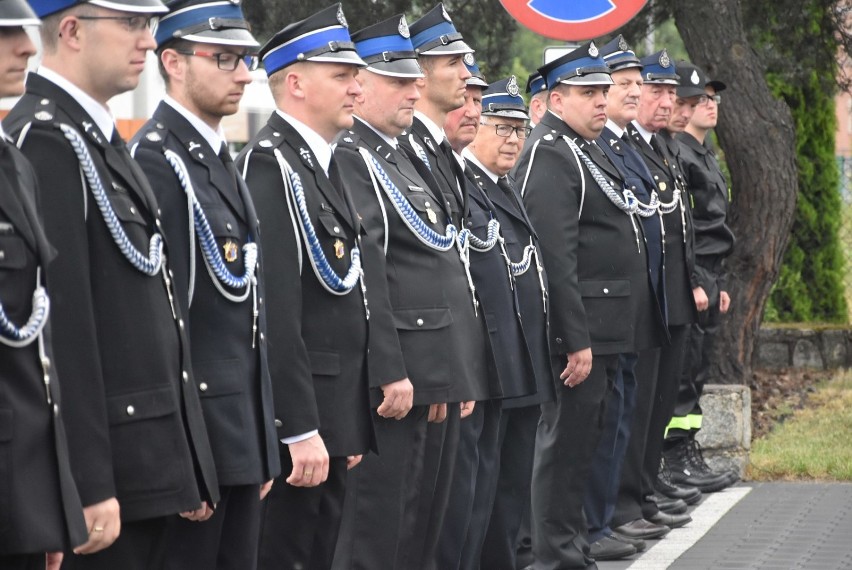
[(137, 440), (315, 302), (205, 55), (593, 249)]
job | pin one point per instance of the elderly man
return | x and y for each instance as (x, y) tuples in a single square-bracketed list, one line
[(137, 439)]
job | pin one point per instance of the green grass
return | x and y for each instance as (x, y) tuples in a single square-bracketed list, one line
[(815, 443)]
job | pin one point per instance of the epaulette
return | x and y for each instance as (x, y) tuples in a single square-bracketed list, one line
[(550, 138), (155, 135), (271, 140), (44, 112), (348, 138)]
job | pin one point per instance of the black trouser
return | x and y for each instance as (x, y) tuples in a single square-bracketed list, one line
[(567, 437), (140, 546), (22, 561)]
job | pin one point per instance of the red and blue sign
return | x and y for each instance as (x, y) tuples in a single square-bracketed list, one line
[(573, 20)]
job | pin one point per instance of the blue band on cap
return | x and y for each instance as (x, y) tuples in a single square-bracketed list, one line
[(288, 53), (537, 85), (499, 100), (382, 44), (429, 34), (569, 69), (44, 8), (171, 23)]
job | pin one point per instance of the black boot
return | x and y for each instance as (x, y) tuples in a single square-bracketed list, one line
[(695, 459), (666, 487), (679, 461)]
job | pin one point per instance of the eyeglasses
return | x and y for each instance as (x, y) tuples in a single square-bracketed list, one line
[(704, 99), (133, 23), (506, 131), (227, 61)]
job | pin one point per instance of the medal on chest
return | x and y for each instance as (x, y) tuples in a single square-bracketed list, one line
[(230, 249), (339, 249)]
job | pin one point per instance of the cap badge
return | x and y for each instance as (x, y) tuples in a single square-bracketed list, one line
[(664, 59), (694, 77), (469, 59), (622, 44), (593, 50), (444, 13), (341, 18), (403, 28), (512, 87), (230, 251)]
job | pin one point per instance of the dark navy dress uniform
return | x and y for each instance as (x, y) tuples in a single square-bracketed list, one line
[(599, 297), (134, 420), (229, 358), (40, 508)]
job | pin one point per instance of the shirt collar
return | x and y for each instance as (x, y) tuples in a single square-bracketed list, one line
[(618, 131), (460, 159), (390, 140), (214, 138), (100, 114), (436, 131), (318, 145), (472, 157), (646, 134)]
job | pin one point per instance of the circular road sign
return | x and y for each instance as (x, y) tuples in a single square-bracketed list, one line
[(573, 19)]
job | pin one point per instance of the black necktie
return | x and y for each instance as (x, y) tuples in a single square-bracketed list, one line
[(506, 186), (225, 157), (624, 137)]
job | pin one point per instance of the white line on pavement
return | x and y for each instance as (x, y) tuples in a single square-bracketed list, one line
[(707, 514)]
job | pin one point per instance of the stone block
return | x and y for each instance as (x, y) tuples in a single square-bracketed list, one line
[(806, 354), (725, 433), (834, 348), (772, 354)]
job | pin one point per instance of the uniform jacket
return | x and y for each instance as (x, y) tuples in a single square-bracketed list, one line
[(599, 291), (678, 245), (229, 360), (640, 181), (436, 335), (132, 412), (527, 300), (708, 191), (317, 340), (40, 508)]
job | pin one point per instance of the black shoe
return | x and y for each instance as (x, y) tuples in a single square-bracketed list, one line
[(608, 548), (640, 528), (697, 464), (671, 521), (667, 505), (664, 486), (678, 460), (636, 543)]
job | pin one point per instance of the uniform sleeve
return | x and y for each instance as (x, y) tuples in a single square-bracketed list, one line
[(384, 360), (289, 367), (63, 201), (552, 196)]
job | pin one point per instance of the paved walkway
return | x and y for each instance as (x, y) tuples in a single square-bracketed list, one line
[(777, 526)]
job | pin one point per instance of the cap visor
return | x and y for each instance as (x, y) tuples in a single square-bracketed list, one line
[(18, 13), (687, 92), (229, 37), (477, 81), (590, 79), (137, 6), (717, 85), (452, 48), (508, 113), (398, 68), (344, 56), (673, 81)]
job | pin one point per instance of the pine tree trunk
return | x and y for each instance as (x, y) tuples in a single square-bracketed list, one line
[(757, 134)]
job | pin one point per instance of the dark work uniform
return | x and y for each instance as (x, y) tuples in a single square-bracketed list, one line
[(681, 313), (317, 340), (40, 508), (431, 336), (134, 420), (528, 360), (228, 356), (714, 241), (599, 295)]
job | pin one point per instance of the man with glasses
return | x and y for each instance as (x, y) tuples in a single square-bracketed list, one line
[(205, 55), (315, 300), (137, 441), (714, 241), (41, 514), (524, 358)]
